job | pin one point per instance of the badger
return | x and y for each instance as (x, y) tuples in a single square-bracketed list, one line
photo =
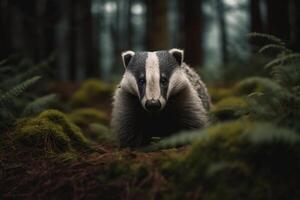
[(158, 95)]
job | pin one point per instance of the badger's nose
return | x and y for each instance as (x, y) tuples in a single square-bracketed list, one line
[(153, 105)]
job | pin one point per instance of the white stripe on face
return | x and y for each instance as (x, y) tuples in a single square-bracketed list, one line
[(129, 83), (152, 77)]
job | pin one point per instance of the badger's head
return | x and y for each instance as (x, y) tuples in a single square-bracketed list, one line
[(153, 77)]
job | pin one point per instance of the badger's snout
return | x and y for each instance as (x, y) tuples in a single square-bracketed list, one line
[(153, 105)]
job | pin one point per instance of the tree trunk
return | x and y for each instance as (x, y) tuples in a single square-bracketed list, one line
[(295, 24), (256, 17), (157, 25), (278, 19), (223, 31), (84, 55), (193, 29), (5, 31), (73, 37)]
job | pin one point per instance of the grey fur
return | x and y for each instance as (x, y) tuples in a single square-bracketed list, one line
[(198, 85), (186, 108)]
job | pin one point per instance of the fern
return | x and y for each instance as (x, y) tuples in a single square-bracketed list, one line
[(268, 37), (274, 100), (39, 104), (283, 60), (17, 90), (280, 48), (178, 140)]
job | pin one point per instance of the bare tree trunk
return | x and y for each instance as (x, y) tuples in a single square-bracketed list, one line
[(223, 31), (295, 24), (62, 42), (193, 29), (256, 18), (157, 25), (5, 31), (278, 18), (85, 65)]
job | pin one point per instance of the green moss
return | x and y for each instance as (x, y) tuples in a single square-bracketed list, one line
[(256, 84), (51, 132), (230, 102), (218, 93), (229, 108), (71, 130), (85, 116), (238, 159), (91, 93), (42, 134), (100, 132)]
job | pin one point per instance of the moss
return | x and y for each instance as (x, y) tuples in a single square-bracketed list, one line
[(230, 102), (91, 93), (229, 108), (42, 134), (100, 132), (218, 93), (72, 131), (238, 159), (256, 84), (51, 132), (85, 116)]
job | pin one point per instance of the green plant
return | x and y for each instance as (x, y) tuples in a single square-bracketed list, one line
[(16, 77)]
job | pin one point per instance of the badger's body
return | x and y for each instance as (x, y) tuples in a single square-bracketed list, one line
[(159, 95)]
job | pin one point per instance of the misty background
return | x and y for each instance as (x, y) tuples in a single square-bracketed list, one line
[(86, 37)]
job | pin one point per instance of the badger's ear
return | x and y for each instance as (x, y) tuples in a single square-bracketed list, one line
[(126, 57), (177, 54)]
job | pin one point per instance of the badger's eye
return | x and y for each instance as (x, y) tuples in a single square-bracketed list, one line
[(163, 81), (141, 81)]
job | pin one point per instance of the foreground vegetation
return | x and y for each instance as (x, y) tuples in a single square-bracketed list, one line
[(250, 151)]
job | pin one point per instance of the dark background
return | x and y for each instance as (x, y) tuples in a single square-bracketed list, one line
[(86, 37)]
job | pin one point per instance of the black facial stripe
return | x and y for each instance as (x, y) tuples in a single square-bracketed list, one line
[(167, 65), (137, 67)]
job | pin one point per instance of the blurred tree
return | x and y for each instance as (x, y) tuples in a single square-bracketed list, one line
[(223, 32), (256, 16), (157, 25), (83, 40), (193, 29), (123, 40), (295, 24), (278, 18), (5, 30)]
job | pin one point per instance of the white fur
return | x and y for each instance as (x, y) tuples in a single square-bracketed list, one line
[(125, 54), (129, 84), (152, 77), (153, 80), (177, 82), (172, 51)]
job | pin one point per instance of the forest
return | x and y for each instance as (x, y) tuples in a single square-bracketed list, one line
[(61, 65)]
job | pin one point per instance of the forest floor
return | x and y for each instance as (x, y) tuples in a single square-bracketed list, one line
[(71, 154)]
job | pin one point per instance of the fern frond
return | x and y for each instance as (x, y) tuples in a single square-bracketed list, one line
[(3, 62), (6, 69), (269, 37), (280, 48), (179, 139), (282, 60), (39, 105), (17, 90)]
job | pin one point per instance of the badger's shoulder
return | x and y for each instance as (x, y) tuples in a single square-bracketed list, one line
[(198, 85)]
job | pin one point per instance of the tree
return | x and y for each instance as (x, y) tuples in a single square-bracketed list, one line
[(256, 17), (278, 18), (223, 32), (193, 28), (157, 24)]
